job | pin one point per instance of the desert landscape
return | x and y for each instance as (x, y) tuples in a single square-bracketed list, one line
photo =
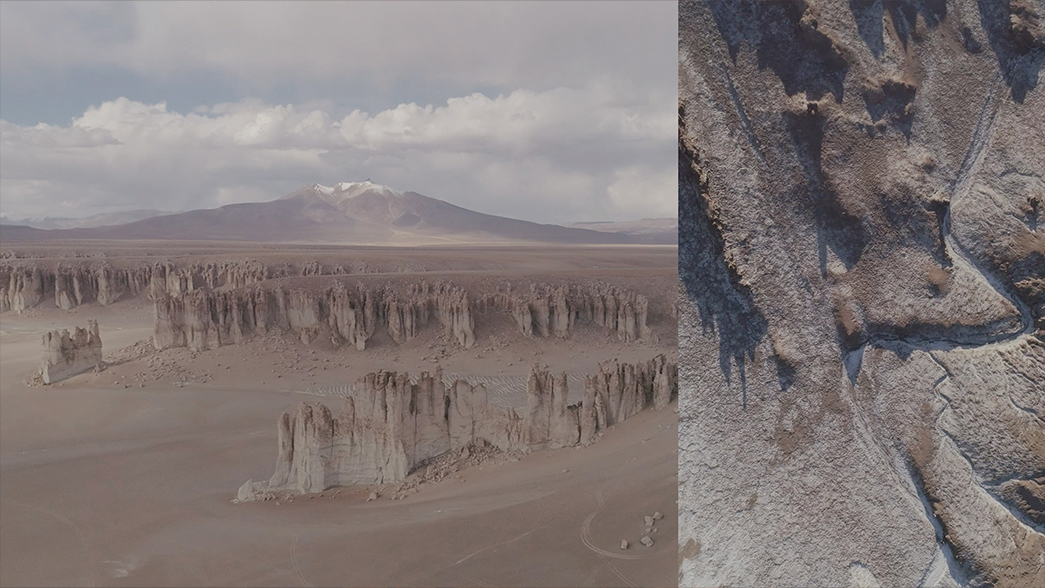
[(145, 469), (338, 294), (862, 294)]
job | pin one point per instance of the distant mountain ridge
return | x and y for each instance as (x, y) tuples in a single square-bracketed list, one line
[(655, 227), (102, 219), (345, 213)]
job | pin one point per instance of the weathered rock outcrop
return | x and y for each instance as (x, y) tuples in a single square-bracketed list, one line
[(619, 391), (862, 293), (547, 311), (208, 319), (196, 305), (72, 288), (28, 284), (168, 279), (25, 286), (390, 424), (549, 421), (65, 356), (387, 427)]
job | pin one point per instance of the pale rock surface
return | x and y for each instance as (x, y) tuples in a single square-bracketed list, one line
[(204, 318), (390, 425), (387, 427), (26, 285), (861, 293), (66, 355), (207, 304), (547, 311), (207, 319)]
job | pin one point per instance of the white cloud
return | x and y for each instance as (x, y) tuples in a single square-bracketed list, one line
[(643, 192), (559, 155), (522, 44), (576, 106)]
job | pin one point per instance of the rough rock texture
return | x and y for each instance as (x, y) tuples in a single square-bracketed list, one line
[(549, 421), (24, 286), (385, 429), (391, 424), (207, 304), (168, 279), (207, 319), (861, 293), (547, 311), (65, 356), (618, 391)]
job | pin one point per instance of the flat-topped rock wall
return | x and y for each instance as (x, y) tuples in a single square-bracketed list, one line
[(205, 319), (208, 319), (544, 310), (24, 286), (392, 424)]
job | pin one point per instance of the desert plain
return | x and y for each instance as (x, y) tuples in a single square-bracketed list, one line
[(128, 475)]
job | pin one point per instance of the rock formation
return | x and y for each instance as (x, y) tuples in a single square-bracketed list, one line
[(206, 304), (205, 319), (65, 356), (386, 427), (25, 286), (862, 293), (549, 421), (202, 318), (167, 279), (390, 424), (547, 311)]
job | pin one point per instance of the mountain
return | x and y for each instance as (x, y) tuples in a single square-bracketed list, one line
[(648, 230), (347, 212), (103, 219)]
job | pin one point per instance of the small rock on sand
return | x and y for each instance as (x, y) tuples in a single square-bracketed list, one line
[(646, 541), (657, 516), (649, 521), (623, 543), (373, 496)]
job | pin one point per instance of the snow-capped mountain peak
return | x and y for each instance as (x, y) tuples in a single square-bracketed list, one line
[(342, 190), (327, 190)]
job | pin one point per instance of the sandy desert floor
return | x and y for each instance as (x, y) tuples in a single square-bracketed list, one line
[(126, 476)]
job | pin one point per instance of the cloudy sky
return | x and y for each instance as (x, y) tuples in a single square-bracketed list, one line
[(552, 112)]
